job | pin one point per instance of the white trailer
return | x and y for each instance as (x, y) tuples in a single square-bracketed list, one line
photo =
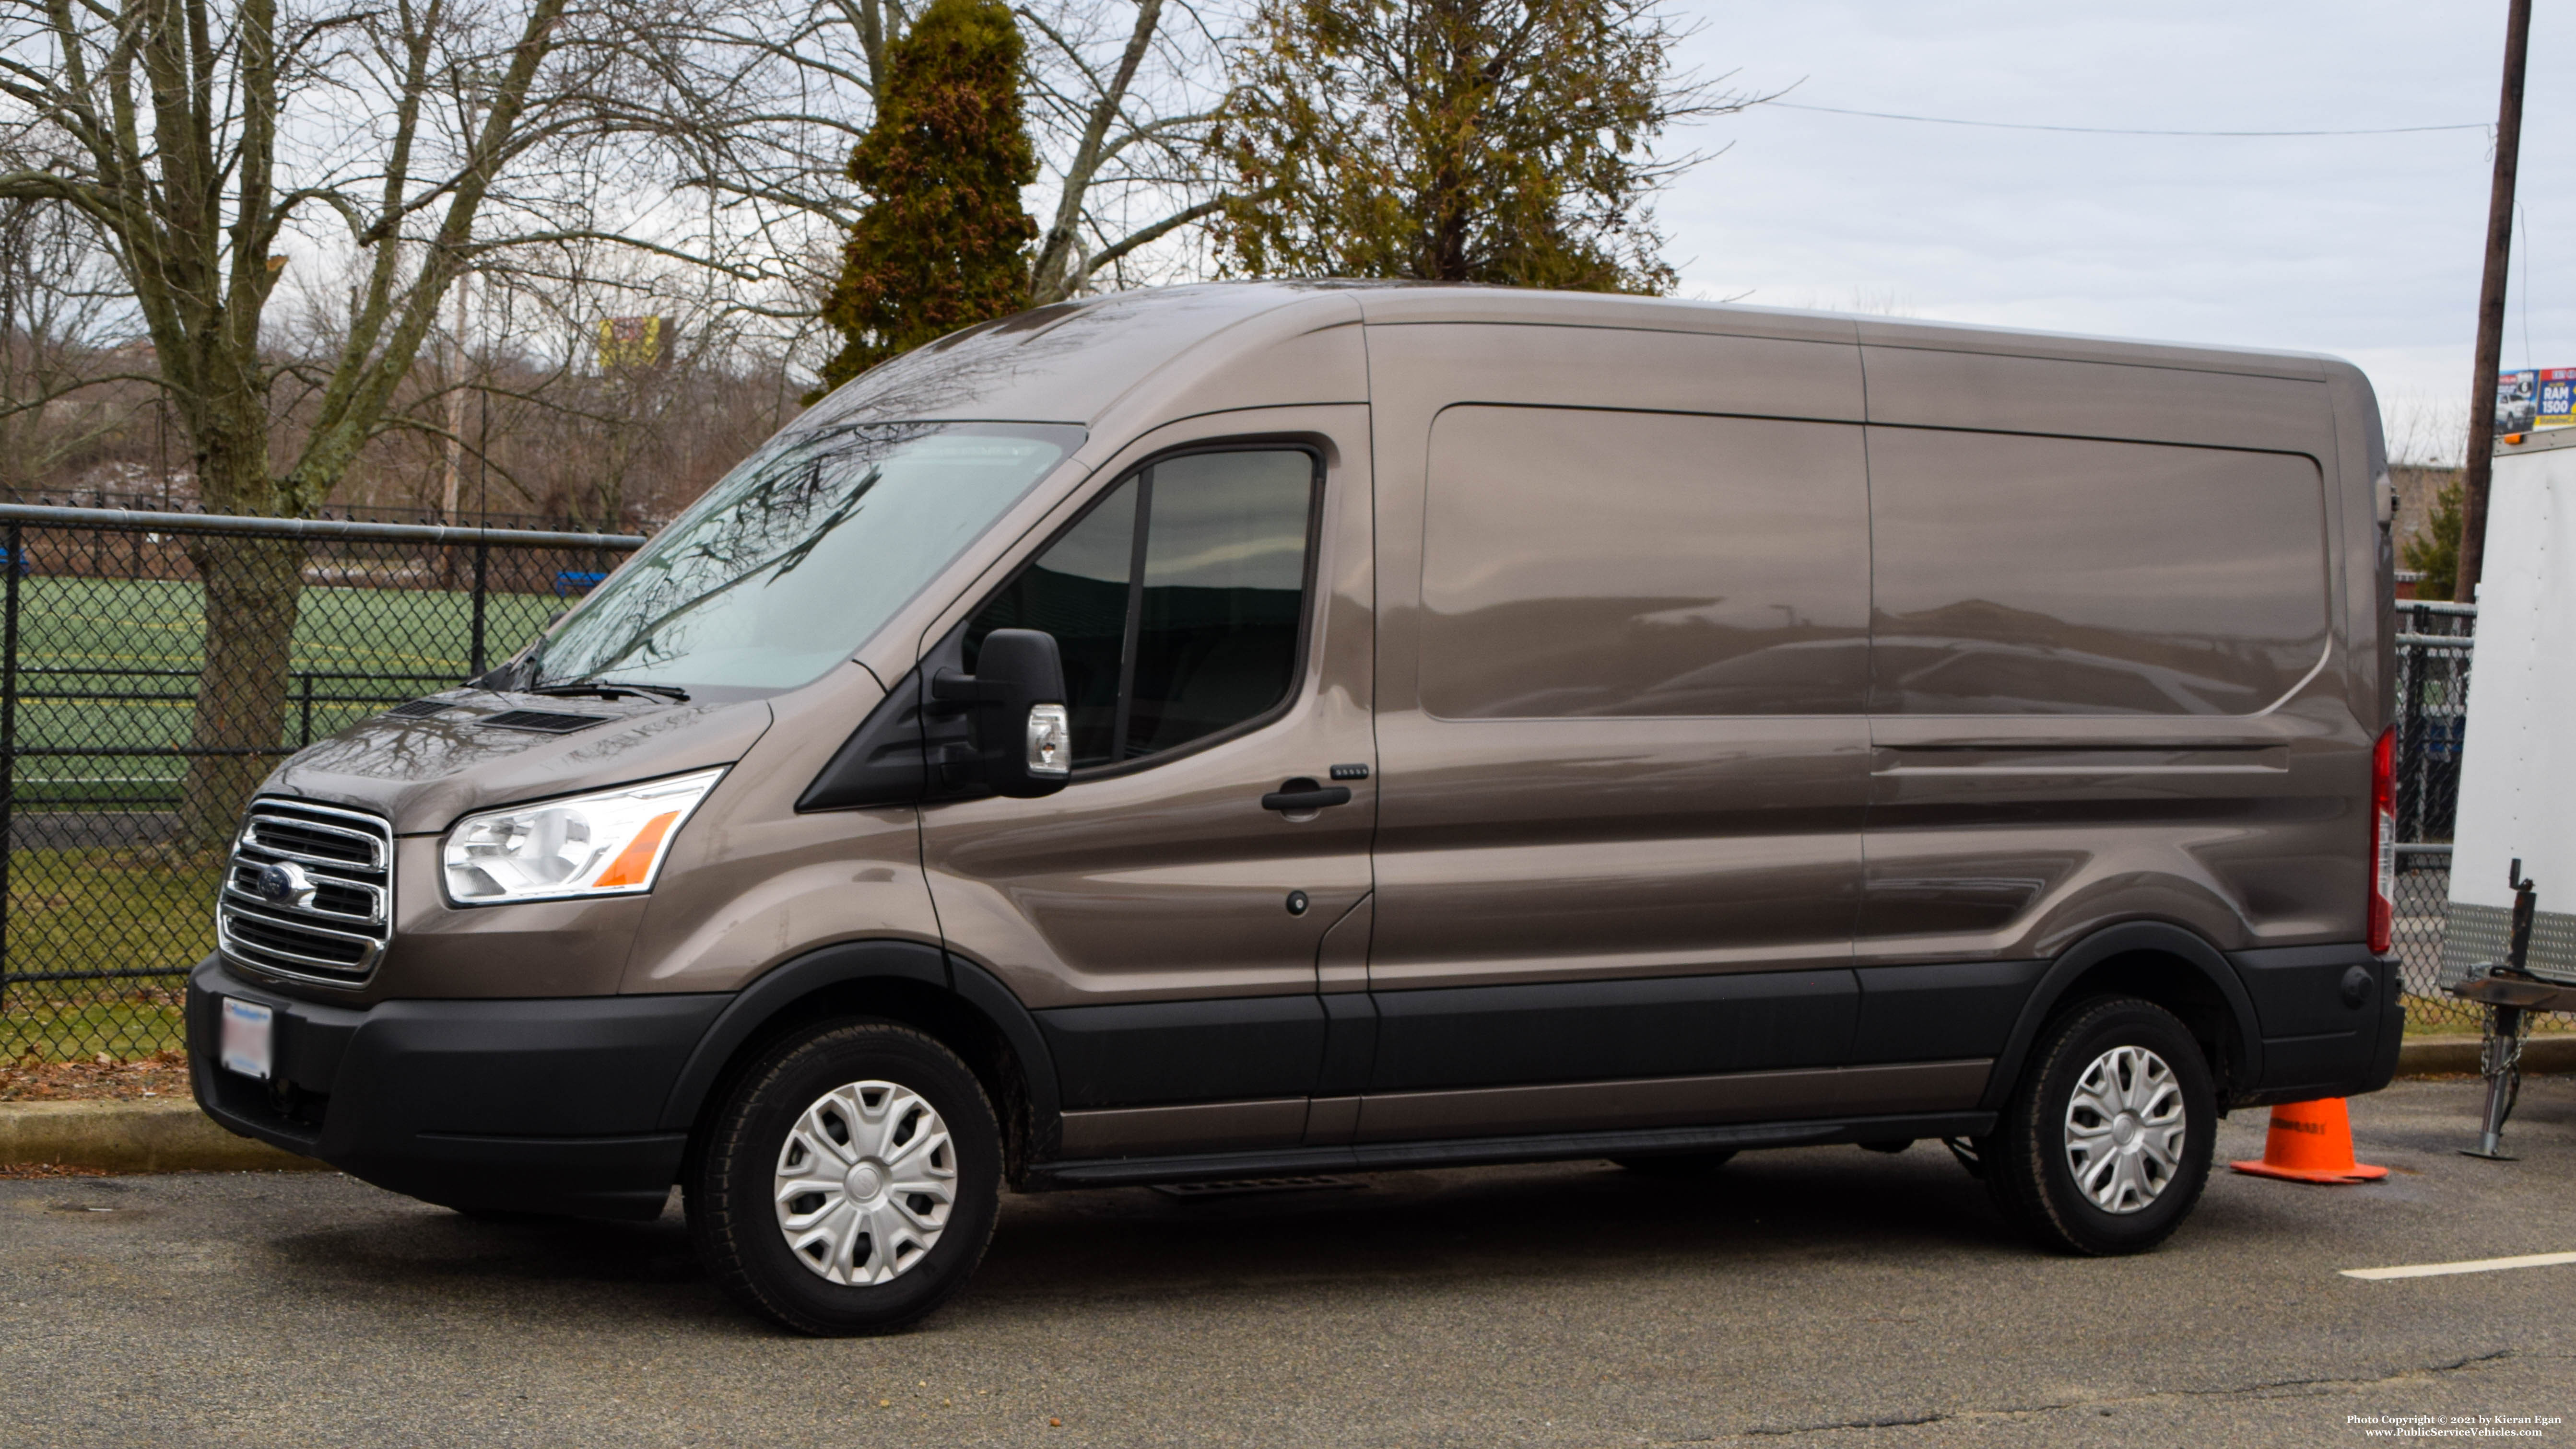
[(2518, 757), (2515, 837)]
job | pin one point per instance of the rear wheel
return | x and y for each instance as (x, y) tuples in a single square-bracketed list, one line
[(1678, 1166), (850, 1181), (2105, 1144)]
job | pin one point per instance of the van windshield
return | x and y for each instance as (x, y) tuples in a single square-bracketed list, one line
[(792, 560)]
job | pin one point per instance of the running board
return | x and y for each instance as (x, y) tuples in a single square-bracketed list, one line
[(1484, 1151)]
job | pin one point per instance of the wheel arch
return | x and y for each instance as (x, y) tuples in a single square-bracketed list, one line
[(2155, 961), (955, 1001)]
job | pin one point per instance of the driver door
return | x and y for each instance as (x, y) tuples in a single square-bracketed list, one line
[(1212, 605)]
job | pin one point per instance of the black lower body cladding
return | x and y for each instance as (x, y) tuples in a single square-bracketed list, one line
[(521, 1105), (2332, 1020), (2281, 1024), (582, 1105)]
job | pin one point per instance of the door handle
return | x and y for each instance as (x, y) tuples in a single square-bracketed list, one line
[(1301, 794)]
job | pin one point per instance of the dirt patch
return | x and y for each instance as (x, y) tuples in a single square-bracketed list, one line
[(161, 1075), (17, 1171)]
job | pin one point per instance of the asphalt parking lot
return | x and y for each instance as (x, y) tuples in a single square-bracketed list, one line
[(1826, 1295)]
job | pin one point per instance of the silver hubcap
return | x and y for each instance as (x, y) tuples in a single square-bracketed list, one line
[(865, 1183), (2124, 1129)]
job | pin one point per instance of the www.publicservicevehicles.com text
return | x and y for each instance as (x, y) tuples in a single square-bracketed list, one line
[(2453, 1426)]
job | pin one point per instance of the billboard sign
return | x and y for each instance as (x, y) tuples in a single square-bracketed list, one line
[(2557, 393), (2535, 397), (634, 342)]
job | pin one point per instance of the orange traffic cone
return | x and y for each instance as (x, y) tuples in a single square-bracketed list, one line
[(2311, 1142)]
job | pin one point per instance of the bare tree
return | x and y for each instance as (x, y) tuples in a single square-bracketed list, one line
[(62, 317), (619, 439), (203, 141), (1127, 121), (512, 403)]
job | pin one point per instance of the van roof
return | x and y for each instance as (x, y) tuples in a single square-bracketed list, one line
[(1072, 361)]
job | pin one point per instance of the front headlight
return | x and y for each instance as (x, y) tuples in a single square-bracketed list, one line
[(607, 844)]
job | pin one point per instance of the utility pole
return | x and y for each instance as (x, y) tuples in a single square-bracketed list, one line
[(2482, 396)]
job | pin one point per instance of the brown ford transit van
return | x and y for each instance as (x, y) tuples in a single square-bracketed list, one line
[(1257, 729)]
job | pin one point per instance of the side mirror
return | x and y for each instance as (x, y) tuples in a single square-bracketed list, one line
[(1014, 703)]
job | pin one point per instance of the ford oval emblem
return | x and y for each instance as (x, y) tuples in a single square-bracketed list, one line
[(283, 884)]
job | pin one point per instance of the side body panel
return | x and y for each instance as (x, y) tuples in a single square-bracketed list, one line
[(2148, 718), (1606, 866), (752, 883)]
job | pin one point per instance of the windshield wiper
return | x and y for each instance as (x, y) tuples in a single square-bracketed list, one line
[(610, 689)]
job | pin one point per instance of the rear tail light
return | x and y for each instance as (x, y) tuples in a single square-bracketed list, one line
[(2383, 841)]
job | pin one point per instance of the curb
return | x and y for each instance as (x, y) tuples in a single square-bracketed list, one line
[(2428, 1056), (170, 1136)]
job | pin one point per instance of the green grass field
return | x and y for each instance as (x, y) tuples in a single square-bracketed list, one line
[(94, 910), (111, 664)]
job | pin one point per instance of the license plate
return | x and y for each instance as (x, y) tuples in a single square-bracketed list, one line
[(247, 1040)]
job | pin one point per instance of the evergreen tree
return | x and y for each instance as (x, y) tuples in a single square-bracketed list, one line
[(1506, 141), (942, 243), (2435, 552)]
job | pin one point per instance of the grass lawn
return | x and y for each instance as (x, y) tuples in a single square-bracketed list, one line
[(90, 910), (2450, 1016), (112, 664)]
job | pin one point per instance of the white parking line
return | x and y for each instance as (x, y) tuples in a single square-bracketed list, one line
[(2473, 1265)]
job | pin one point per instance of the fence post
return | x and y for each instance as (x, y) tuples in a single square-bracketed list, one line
[(2415, 762), (9, 740), (482, 565), (307, 693)]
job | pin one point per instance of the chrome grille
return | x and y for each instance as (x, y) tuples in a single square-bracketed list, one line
[(309, 892)]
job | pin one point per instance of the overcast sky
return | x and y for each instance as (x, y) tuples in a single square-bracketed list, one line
[(2364, 246)]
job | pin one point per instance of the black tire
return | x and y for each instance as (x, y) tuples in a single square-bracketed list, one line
[(733, 1215), (1678, 1166), (2029, 1165)]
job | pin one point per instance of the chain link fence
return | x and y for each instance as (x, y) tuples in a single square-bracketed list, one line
[(150, 501), (2434, 644), (2423, 894), (106, 895)]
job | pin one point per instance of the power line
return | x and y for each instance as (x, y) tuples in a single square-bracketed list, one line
[(2118, 130)]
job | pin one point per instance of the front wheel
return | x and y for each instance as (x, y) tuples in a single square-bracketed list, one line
[(850, 1181), (2105, 1144)]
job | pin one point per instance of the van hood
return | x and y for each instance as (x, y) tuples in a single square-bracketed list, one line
[(471, 749)]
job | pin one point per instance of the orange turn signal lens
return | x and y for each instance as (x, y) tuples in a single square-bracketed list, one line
[(635, 862)]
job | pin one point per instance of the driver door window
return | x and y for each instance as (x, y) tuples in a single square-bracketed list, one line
[(1176, 602)]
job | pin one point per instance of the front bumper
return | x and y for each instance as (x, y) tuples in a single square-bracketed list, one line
[(551, 1105)]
